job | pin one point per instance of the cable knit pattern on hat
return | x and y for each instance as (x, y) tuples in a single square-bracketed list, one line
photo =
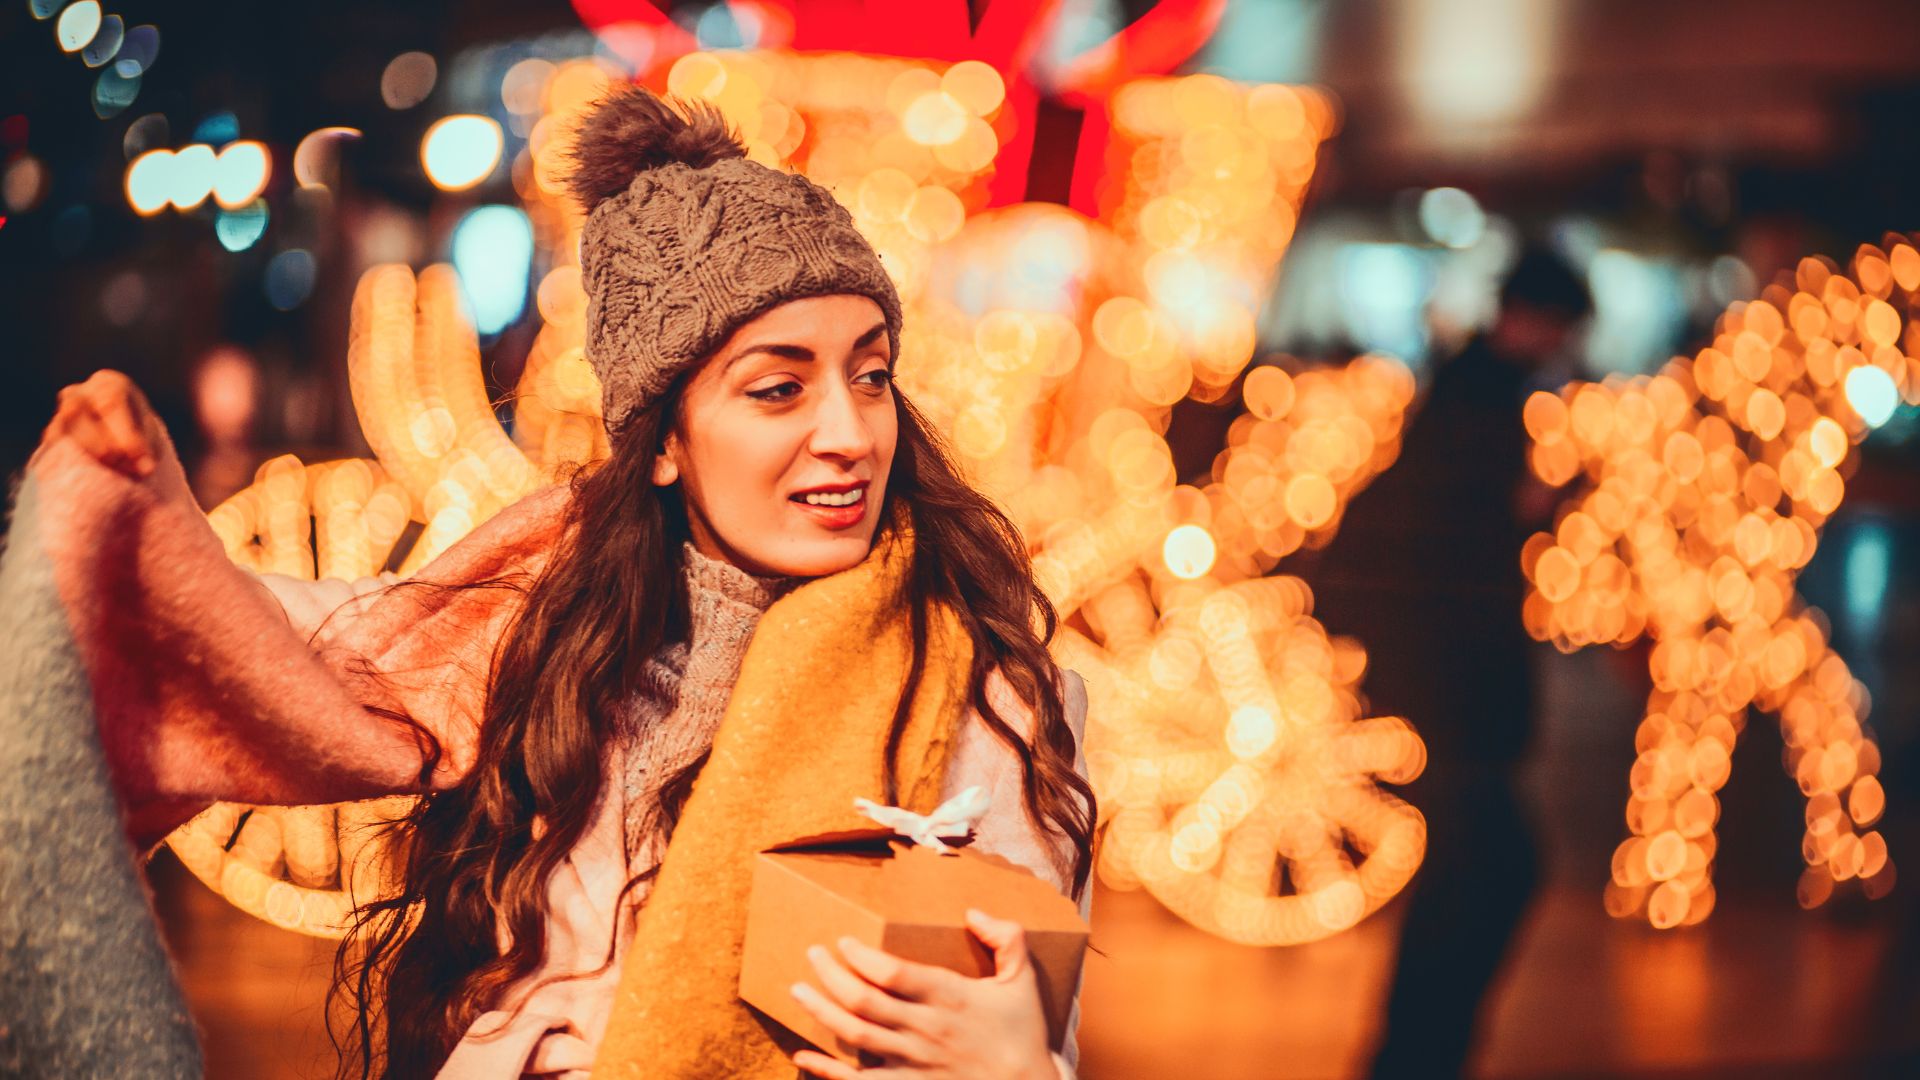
[(688, 251), (685, 687)]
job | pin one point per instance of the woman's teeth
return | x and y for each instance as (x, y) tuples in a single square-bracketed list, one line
[(825, 498)]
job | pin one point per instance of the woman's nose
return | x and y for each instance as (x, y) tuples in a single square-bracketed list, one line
[(839, 429)]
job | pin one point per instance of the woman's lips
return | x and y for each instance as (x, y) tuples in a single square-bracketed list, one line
[(836, 517)]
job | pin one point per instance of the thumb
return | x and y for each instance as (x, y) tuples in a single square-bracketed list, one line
[(1006, 938)]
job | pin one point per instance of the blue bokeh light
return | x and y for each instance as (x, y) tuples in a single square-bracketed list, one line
[(240, 229), (493, 254), (290, 278), (1872, 394)]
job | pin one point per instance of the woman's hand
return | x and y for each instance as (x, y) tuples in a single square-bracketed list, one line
[(923, 1021), (110, 419)]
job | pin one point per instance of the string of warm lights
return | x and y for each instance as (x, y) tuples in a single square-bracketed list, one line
[(1698, 496), (1239, 778)]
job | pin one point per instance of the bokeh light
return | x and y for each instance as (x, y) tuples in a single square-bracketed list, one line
[(240, 173), (23, 183), (1452, 217), (105, 43), (114, 92), (217, 128), (240, 228), (408, 79), (150, 182), (493, 254), (290, 277), (137, 52), (77, 25), (191, 173), (1872, 394), (460, 151), (316, 158), (1189, 551), (145, 133)]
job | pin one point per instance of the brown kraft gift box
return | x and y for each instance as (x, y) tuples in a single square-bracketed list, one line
[(877, 888)]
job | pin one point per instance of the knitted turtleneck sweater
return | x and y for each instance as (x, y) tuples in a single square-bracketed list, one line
[(685, 687)]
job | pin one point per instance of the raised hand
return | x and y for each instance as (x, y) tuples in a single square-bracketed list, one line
[(108, 417)]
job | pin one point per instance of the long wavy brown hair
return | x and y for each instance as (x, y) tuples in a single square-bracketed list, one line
[(421, 963)]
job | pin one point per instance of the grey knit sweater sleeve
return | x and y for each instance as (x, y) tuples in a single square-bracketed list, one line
[(86, 989)]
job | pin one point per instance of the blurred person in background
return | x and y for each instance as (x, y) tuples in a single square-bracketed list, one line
[(1426, 574)]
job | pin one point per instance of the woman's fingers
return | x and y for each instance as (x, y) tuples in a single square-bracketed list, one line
[(90, 431), (901, 978), (850, 1029), (123, 412), (83, 427), (108, 418), (1006, 938), (862, 998), (124, 428)]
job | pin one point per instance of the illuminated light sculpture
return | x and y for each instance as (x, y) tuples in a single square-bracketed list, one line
[(1699, 495), (1239, 779)]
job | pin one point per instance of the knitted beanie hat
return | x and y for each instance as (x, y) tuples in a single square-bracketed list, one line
[(686, 239)]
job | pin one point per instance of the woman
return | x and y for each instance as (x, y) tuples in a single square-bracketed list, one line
[(572, 685)]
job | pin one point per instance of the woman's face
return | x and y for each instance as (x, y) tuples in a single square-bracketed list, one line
[(785, 438)]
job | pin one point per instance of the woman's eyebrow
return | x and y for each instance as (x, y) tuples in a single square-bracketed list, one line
[(801, 352), (871, 336)]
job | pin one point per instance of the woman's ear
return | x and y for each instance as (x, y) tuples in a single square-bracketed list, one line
[(665, 469)]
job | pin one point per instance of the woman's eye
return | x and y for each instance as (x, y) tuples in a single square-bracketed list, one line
[(885, 376), (775, 393)]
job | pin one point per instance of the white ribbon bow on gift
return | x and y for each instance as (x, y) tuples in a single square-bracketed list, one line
[(952, 819)]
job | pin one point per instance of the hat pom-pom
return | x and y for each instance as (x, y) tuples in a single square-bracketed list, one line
[(632, 130)]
